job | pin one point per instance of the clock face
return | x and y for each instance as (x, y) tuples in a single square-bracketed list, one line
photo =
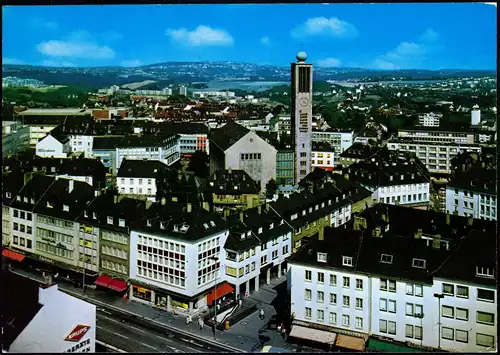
[(303, 102)]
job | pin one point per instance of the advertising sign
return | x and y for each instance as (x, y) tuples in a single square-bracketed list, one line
[(77, 333)]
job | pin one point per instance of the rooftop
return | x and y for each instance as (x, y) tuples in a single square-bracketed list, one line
[(232, 182), (140, 168), (226, 136)]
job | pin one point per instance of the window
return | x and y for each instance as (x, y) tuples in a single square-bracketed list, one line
[(448, 289), (346, 301), (392, 328), (308, 275), (320, 315), (333, 318), (345, 320), (392, 306), (308, 313), (359, 323), (485, 295), (386, 258), (485, 318), (347, 261), (16, 213), (462, 336), (321, 277), (447, 333), (28, 216), (28, 243), (448, 312), (382, 326), (29, 230), (359, 303), (409, 309), (359, 284), (383, 284), (409, 331), (419, 290), (16, 226), (419, 310), (333, 280), (346, 282), (320, 297), (462, 313), (333, 298), (409, 289), (418, 333), (485, 340), (322, 257), (383, 304), (419, 263)]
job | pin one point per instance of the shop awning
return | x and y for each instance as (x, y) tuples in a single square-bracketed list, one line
[(388, 347), (219, 292), (348, 342), (317, 335), (117, 285), (13, 255), (103, 281)]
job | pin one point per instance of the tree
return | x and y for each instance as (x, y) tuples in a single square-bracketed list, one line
[(271, 188), (199, 164)]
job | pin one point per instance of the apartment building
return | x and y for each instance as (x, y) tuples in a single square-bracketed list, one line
[(377, 282), (139, 177), (393, 178), (258, 244), (473, 193), (54, 145), (15, 137), (436, 135), (137, 147), (357, 152), (285, 160), (339, 141), (169, 245), (322, 156), (435, 156), (104, 148), (429, 119)]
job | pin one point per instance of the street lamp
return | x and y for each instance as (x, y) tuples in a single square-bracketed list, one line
[(215, 298), (439, 296)]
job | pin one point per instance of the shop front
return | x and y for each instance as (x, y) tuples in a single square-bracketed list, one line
[(384, 346), (111, 283), (142, 293), (221, 295)]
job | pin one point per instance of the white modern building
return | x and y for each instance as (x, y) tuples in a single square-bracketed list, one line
[(429, 119), (53, 147), (15, 137), (475, 116), (436, 135), (339, 141), (138, 177), (322, 158)]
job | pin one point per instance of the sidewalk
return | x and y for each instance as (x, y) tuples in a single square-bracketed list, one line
[(243, 335)]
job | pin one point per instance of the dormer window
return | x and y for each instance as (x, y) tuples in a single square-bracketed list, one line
[(322, 257), (110, 220), (49, 205), (294, 216), (418, 263), (386, 258), (316, 207), (65, 208), (25, 199), (7, 194), (402, 177), (121, 222), (485, 272), (53, 169), (148, 223), (249, 233), (205, 225), (18, 198), (235, 187), (322, 204), (212, 223), (94, 215), (242, 236), (337, 199), (85, 214), (32, 200), (271, 226), (329, 202), (310, 209), (390, 177), (260, 230), (176, 228), (346, 260), (162, 225), (303, 212)]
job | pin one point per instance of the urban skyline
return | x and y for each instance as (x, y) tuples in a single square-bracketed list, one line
[(372, 36)]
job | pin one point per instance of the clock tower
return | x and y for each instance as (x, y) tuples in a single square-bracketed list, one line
[(301, 112)]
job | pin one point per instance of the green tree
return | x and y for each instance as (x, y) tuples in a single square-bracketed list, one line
[(199, 164), (271, 188)]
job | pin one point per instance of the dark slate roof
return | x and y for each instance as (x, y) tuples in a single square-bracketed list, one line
[(106, 143), (232, 182), (50, 120), (316, 176), (322, 147), (59, 194), (140, 168), (132, 141), (34, 189), (173, 127), (235, 242), (228, 135), (359, 151), (12, 183), (477, 179), (366, 252), (178, 223), (60, 136), (19, 305)]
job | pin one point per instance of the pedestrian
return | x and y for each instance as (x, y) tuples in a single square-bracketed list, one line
[(283, 332), (262, 314), (240, 302), (200, 322), (125, 298), (187, 320)]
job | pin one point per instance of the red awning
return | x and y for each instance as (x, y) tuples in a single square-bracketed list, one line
[(13, 255), (103, 281), (117, 285), (219, 292)]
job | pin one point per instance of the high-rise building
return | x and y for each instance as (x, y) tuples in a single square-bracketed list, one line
[(301, 122)]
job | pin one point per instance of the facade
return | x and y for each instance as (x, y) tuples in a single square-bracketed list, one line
[(53, 147), (357, 152), (15, 138), (46, 320), (285, 159), (138, 177), (322, 156), (339, 141), (104, 148), (429, 119), (301, 120), (435, 156), (436, 135)]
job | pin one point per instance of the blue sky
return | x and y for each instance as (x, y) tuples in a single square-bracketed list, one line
[(377, 36)]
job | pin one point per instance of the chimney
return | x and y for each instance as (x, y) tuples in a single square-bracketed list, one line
[(96, 193), (241, 217), (229, 171), (321, 234), (71, 185), (436, 242), (448, 218), (189, 208), (470, 221), (163, 201)]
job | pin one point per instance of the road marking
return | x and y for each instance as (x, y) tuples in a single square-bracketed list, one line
[(111, 320), (109, 331), (170, 340), (140, 330), (103, 310), (193, 350), (176, 350), (149, 346)]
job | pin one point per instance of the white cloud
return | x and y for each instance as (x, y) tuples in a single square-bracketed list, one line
[(491, 3), (131, 63), (77, 45), (328, 62), (265, 41), (323, 26), (405, 56), (56, 63), (6, 60), (201, 36), (429, 35)]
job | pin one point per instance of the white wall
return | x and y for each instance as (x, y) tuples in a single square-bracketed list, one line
[(483, 205), (18, 233), (326, 157), (139, 186), (60, 314), (419, 193), (51, 147)]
